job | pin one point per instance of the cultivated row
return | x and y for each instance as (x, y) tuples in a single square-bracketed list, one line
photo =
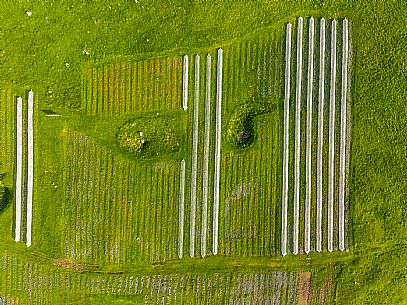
[(118, 210), (28, 283), (117, 89)]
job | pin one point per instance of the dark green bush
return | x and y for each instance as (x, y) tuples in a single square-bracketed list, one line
[(240, 132), (148, 137), (4, 195)]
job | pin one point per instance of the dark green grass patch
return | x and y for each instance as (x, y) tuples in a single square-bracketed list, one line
[(148, 137), (240, 132)]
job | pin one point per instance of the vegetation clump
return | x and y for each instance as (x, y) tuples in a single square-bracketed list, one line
[(148, 137), (240, 132)]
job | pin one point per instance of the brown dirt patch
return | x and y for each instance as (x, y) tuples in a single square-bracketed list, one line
[(304, 289)]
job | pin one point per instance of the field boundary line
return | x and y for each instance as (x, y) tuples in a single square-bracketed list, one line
[(217, 150), (286, 141)]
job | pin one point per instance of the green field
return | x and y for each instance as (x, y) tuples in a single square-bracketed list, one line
[(105, 219)]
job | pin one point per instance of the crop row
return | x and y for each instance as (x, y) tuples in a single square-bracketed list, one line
[(252, 69), (117, 210), (249, 185), (30, 283), (117, 89)]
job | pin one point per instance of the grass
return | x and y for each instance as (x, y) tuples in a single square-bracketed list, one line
[(155, 28)]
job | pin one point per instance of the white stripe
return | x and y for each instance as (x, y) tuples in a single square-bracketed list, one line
[(217, 151), (194, 164), (331, 157), (342, 162), (181, 209), (206, 154), (185, 68), (30, 162), (307, 217), (19, 165), (297, 155), (284, 200), (321, 100)]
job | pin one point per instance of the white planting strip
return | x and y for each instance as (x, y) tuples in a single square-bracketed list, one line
[(181, 209), (217, 151), (321, 100), (194, 164), (30, 163), (185, 67), (19, 164), (297, 136), (308, 163), (206, 154), (284, 200), (342, 153), (331, 156)]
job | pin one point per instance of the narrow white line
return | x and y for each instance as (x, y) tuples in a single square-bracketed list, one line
[(331, 156), (181, 209), (19, 169), (308, 178), (206, 154), (30, 162), (342, 162), (194, 164), (297, 154), (286, 152), (217, 151), (321, 101), (185, 68)]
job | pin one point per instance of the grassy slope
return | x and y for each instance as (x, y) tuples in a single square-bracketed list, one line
[(379, 133)]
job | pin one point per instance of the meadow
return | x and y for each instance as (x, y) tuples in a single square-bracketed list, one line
[(97, 206)]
